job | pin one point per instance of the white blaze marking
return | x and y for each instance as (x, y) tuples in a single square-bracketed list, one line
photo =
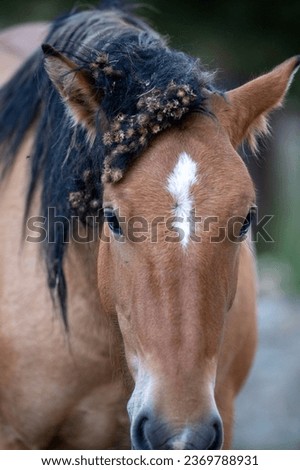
[(180, 182)]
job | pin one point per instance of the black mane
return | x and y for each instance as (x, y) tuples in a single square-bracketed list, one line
[(154, 81)]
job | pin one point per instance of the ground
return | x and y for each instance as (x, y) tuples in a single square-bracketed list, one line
[(268, 408)]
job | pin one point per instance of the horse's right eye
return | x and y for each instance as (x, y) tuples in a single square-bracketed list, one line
[(112, 221)]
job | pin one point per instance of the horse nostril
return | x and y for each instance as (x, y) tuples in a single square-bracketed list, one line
[(217, 438), (138, 438)]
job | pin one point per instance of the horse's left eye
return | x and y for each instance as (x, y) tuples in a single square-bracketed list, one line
[(112, 221), (247, 222)]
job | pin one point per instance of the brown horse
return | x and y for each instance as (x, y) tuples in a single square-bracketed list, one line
[(161, 312)]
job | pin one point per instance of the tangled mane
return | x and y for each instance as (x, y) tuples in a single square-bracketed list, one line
[(145, 87)]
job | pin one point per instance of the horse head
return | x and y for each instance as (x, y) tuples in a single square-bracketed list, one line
[(168, 264)]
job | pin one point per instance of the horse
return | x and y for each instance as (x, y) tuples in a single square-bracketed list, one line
[(128, 281)]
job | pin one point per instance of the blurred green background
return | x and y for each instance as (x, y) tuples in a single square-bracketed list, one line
[(240, 39)]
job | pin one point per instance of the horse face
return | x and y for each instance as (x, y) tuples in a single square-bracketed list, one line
[(172, 296), (170, 274)]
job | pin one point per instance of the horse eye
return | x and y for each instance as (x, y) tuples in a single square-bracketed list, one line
[(247, 222), (112, 221)]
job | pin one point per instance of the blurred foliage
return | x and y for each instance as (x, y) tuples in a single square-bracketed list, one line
[(240, 39), (242, 36)]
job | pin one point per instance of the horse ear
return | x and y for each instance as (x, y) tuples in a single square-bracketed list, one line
[(75, 86), (245, 110)]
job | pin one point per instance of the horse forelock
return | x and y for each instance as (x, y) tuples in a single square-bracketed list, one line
[(147, 87)]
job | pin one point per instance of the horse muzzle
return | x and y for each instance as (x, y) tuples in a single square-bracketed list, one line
[(150, 432)]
